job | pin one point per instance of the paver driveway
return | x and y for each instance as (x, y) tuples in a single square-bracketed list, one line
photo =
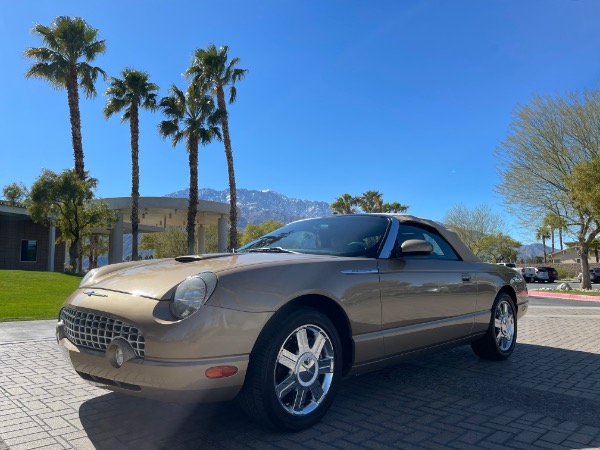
[(547, 395)]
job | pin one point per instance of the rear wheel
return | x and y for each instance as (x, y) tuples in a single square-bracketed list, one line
[(293, 372), (501, 337)]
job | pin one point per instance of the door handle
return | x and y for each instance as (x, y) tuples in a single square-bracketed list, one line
[(466, 278)]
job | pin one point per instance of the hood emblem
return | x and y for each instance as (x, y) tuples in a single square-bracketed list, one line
[(90, 293)]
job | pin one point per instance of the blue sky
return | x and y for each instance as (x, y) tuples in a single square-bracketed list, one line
[(406, 97)]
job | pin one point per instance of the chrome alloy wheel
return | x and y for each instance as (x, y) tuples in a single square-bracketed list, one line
[(504, 324), (304, 370)]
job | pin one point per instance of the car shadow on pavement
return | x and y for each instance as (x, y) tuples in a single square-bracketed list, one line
[(433, 398)]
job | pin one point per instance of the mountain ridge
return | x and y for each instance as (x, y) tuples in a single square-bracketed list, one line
[(258, 206)]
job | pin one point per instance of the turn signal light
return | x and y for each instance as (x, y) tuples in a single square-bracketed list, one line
[(221, 371)]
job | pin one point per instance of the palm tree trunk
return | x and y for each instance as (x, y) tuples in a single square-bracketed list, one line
[(552, 234), (134, 126), (544, 246), (193, 199), (233, 219), (75, 117), (560, 237)]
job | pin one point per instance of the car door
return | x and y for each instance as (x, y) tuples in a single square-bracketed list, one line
[(427, 299)]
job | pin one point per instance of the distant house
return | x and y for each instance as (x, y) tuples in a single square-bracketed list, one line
[(25, 245), (570, 255)]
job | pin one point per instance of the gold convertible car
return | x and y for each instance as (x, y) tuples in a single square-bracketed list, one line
[(278, 323)]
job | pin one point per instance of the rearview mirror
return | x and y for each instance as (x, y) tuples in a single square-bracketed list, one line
[(416, 247)]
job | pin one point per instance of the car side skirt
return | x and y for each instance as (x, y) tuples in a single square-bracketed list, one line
[(376, 365)]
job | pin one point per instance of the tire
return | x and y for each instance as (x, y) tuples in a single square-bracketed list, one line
[(282, 389), (499, 341)]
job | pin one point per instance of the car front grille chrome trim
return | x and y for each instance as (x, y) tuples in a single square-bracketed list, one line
[(96, 332)]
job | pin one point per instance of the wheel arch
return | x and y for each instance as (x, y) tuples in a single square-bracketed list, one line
[(334, 312), (511, 293)]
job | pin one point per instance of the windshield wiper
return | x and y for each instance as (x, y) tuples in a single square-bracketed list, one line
[(270, 250)]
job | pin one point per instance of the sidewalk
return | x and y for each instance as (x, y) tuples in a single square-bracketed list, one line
[(23, 331)]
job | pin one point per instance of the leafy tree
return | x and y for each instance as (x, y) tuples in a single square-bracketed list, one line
[(344, 204), (542, 234), (169, 243), (472, 225), (15, 193), (212, 71), (93, 247), (549, 138), (499, 247), (192, 117), (129, 94), (173, 241), (72, 200), (253, 232), (70, 46)]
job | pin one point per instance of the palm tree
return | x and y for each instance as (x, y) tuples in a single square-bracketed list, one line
[(71, 45), (595, 247), (129, 94), (193, 117), (371, 202), (542, 234), (394, 207), (344, 204), (211, 70)]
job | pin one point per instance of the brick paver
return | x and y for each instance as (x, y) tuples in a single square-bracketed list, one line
[(547, 395)]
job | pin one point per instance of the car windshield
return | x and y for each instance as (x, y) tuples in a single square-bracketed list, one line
[(351, 235)]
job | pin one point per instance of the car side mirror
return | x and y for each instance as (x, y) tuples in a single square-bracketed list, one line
[(415, 247)]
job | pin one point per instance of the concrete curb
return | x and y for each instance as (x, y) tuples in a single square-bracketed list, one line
[(588, 298)]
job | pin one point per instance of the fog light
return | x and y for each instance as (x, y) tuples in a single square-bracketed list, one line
[(221, 371), (118, 352), (119, 356)]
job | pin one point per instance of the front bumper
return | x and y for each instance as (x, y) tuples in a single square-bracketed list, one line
[(161, 358), (171, 380)]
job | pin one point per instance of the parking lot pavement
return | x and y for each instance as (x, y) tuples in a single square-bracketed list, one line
[(547, 395)]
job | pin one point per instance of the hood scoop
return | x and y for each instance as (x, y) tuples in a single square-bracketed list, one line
[(193, 258)]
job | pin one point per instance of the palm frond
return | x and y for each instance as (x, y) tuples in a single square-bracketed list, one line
[(88, 76), (50, 72), (113, 106), (168, 128)]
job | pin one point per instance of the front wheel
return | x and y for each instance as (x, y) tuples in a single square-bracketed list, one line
[(501, 337), (293, 372)]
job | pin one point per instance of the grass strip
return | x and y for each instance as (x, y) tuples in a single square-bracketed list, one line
[(28, 295)]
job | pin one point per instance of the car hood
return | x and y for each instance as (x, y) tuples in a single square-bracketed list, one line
[(157, 278)]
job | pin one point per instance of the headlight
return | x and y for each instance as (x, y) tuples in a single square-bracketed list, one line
[(88, 277), (192, 293)]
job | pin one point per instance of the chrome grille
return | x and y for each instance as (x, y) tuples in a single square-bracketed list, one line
[(96, 332)]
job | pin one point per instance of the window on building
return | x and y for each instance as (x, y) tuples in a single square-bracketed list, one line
[(29, 250)]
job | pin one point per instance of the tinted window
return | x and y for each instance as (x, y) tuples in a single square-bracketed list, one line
[(441, 248), (28, 251), (338, 235)]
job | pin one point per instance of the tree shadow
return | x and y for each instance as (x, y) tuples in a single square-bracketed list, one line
[(537, 387)]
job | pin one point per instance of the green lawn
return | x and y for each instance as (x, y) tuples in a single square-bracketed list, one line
[(26, 295)]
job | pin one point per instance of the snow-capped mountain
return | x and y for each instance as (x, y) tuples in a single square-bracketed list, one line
[(258, 206)]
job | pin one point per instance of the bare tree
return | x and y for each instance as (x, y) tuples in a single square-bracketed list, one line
[(548, 138), (473, 225)]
